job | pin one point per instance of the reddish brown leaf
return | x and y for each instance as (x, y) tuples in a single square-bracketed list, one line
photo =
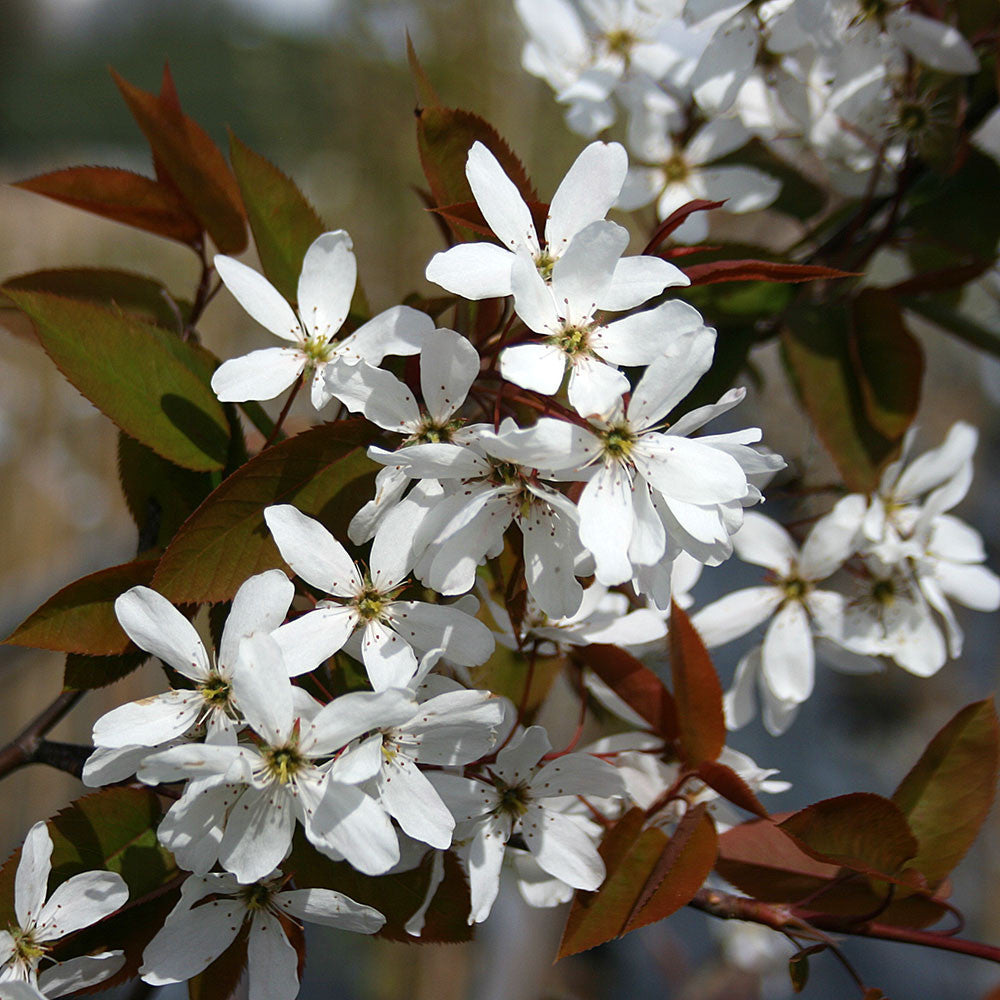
[(762, 861), (444, 137), (185, 152), (649, 876), (120, 195), (948, 793), (730, 786), (944, 279), (426, 94), (635, 684), (680, 871), (860, 831), (760, 270), (80, 618), (677, 218), (469, 215), (697, 692)]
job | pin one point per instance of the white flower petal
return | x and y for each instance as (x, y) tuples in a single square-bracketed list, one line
[(259, 298), (500, 201), (589, 189), (311, 551), (400, 330), (150, 721), (449, 365), (738, 702), (260, 605), (77, 973), (743, 189), (582, 276), (736, 614), (562, 848), (472, 270), (685, 469), (463, 639), (517, 760), (539, 367), (326, 906), (606, 523), (637, 279), (764, 542), (378, 394), (412, 801), (576, 774), (594, 387), (485, 860), (389, 659), (156, 626), (308, 640), (358, 712), (787, 657), (354, 825), (258, 833), (79, 902), (934, 43), (671, 377), (272, 962), (32, 876), (326, 284), (262, 689), (260, 374)]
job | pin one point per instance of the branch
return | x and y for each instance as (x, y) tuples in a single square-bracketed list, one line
[(784, 918), (26, 747)]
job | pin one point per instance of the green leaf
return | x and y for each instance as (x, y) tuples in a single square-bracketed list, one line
[(122, 196), (323, 471), (860, 831), (84, 673), (143, 297), (160, 495), (948, 793), (140, 376), (697, 692), (635, 684), (80, 618), (281, 219), (397, 896), (183, 149), (889, 362), (649, 876), (815, 343)]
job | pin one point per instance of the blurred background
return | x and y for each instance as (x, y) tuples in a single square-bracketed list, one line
[(322, 88)]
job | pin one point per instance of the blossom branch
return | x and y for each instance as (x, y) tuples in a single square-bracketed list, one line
[(728, 906), (26, 747)]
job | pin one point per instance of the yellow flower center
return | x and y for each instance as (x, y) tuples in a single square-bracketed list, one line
[(283, 763)]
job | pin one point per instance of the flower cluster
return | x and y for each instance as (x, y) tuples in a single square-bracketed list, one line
[(872, 579), (848, 82)]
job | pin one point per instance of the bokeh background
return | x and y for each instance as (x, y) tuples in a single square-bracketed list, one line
[(322, 88)]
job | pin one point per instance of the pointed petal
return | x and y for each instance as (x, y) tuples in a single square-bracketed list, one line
[(472, 270), (378, 394), (739, 702), (79, 902), (77, 973), (637, 279), (156, 626), (533, 298), (326, 284), (262, 689), (736, 614), (671, 377), (150, 721), (32, 877), (577, 774), (353, 824), (539, 367), (582, 276), (311, 551), (400, 330), (606, 504), (934, 43), (485, 860), (260, 374), (764, 542), (358, 712), (308, 640), (589, 189), (500, 201), (259, 298), (332, 908), (412, 801), (389, 659), (562, 848), (260, 605), (258, 833), (685, 469), (641, 338), (449, 365), (787, 658), (463, 639), (272, 962), (517, 760), (594, 387)]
